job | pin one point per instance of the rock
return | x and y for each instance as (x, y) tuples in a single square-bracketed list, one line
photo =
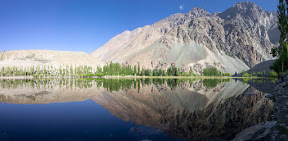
[(260, 131), (249, 93), (269, 96), (283, 137)]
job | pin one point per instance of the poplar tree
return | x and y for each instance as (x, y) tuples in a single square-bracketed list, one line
[(281, 64), (138, 68)]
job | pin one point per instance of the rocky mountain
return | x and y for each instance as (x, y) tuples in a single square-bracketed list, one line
[(236, 39)]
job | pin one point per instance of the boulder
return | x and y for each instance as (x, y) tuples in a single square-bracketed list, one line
[(260, 131)]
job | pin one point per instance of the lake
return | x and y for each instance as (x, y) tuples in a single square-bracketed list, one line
[(130, 109)]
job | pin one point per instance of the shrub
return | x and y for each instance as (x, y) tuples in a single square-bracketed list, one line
[(245, 74), (272, 74), (99, 74), (211, 71), (227, 74)]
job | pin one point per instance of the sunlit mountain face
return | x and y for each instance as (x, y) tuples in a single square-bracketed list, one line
[(236, 39)]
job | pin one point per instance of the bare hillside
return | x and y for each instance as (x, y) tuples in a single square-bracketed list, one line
[(27, 58)]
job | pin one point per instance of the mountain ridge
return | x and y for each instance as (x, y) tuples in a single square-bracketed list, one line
[(238, 39)]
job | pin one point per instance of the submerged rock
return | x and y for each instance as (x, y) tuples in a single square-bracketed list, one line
[(283, 137), (269, 96), (260, 131)]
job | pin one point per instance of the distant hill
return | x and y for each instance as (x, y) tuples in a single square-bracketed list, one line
[(27, 58), (263, 66)]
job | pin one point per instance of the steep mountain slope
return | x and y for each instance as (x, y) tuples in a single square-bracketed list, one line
[(235, 39), (27, 58)]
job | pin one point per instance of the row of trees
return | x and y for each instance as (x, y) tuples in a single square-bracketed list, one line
[(259, 74), (111, 69), (117, 69), (47, 71)]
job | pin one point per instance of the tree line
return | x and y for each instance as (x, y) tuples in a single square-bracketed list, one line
[(47, 71), (110, 69)]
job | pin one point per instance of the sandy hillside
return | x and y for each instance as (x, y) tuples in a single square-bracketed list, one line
[(27, 58)]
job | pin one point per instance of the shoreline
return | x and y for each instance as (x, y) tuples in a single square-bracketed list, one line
[(189, 77), (134, 77), (277, 127)]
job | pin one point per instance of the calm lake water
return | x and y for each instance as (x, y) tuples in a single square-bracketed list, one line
[(130, 109)]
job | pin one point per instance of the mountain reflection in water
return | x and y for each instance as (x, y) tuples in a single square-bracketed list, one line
[(194, 109)]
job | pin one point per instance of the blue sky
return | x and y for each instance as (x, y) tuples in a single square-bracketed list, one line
[(85, 25)]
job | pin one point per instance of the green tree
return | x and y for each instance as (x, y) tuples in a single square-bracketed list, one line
[(2, 71), (227, 74), (99, 69), (280, 65), (211, 71), (135, 70), (138, 68), (7, 71)]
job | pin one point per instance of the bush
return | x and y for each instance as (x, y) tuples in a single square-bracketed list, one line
[(99, 74), (245, 74), (211, 71), (227, 74), (272, 74)]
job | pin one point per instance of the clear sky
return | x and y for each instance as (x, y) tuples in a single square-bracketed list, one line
[(85, 25)]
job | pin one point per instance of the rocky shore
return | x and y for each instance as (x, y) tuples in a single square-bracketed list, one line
[(277, 128), (280, 114)]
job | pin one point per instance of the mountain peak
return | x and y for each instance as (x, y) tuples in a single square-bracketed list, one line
[(244, 9), (247, 5), (197, 12)]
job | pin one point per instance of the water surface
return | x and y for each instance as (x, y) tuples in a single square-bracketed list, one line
[(129, 109)]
